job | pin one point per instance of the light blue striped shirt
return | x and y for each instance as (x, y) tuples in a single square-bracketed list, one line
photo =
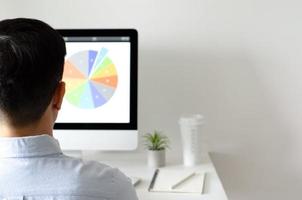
[(34, 168)]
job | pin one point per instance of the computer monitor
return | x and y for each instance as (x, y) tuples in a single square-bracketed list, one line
[(99, 110)]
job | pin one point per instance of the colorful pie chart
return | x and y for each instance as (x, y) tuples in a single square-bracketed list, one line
[(91, 78)]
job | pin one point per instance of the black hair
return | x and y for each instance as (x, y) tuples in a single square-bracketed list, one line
[(31, 67)]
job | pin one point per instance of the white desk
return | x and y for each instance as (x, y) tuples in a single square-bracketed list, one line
[(136, 166)]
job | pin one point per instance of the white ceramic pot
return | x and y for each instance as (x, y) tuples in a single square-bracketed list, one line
[(156, 158)]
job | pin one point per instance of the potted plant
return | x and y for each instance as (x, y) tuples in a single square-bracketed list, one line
[(156, 143)]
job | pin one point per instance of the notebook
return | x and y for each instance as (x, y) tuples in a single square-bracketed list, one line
[(190, 181)]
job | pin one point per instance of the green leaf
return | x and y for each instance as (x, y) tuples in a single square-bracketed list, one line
[(156, 141)]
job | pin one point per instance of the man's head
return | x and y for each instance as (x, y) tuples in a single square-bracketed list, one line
[(31, 66)]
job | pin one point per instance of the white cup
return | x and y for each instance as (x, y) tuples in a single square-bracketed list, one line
[(191, 139)]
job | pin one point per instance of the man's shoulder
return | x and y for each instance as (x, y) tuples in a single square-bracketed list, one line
[(98, 178), (86, 172)]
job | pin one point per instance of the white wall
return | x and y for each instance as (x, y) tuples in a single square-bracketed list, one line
[(238, 62)]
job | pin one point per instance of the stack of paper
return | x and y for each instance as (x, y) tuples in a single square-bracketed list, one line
[(181, 181)]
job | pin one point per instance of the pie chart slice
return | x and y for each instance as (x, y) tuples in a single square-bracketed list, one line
[(74, 96), (105, 90), (97, 97), (91, 78), (81, 62), (92, 55)]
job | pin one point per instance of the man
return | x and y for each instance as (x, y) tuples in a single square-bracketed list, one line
[(32, 165)]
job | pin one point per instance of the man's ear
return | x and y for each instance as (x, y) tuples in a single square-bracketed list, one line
[(58, 96)]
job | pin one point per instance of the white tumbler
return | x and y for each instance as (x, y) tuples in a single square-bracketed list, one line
[(191, 138)]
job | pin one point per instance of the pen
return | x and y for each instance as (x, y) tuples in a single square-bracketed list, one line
[(181, 181), (153, 179)]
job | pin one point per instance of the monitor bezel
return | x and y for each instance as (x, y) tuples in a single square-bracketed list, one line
[(133, 35)]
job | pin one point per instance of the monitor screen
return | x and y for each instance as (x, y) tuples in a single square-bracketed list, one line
[(100, 73)]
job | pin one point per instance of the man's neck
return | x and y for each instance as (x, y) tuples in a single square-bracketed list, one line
[(43, 126), (22, 133), (7, 130)]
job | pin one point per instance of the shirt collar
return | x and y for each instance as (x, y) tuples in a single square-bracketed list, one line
[(31, 146)]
